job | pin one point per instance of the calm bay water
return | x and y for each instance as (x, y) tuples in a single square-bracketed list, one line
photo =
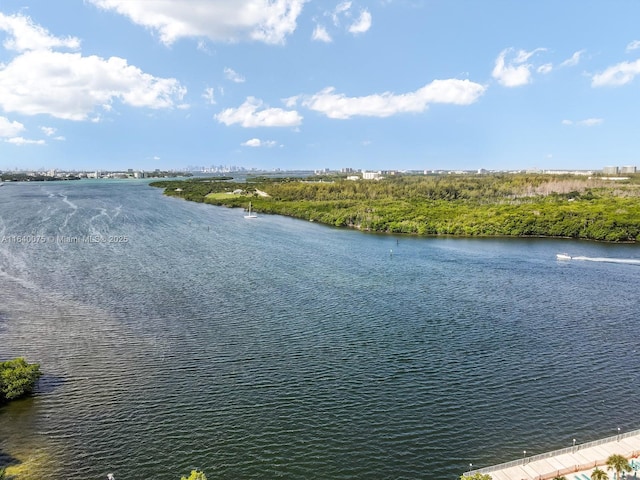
[(277, 348)]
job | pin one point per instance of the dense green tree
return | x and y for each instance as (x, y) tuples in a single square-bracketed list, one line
[(618, 464), (560, 477), (195, 475), (599, 474), (17, 378), (465, 205)]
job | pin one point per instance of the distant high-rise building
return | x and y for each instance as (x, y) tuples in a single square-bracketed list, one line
[(628, 169), (610, 170)]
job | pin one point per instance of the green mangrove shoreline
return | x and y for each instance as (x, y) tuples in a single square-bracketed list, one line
[(506, 205)]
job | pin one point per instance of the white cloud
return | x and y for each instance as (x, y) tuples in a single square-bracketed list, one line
[(291, 102), (232, 75), (203, 47), (9, 128), (341, 8), (509, 75), (70, 86), (616, 75), (50, 132), (524, 56), (574, 60), (218, 20), (24, 35), (344, 17), (249, 115), (209, 95), (517, 71), (320, 34), (452, 91), (635, 45), (24, 141), (545, 69), (589, 122), (361, 25), (256, 143)]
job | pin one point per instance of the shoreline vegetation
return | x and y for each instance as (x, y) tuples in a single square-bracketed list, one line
[(17, 379), (483, 205)]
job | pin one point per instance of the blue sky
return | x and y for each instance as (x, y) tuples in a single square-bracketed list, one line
[(404, 84)]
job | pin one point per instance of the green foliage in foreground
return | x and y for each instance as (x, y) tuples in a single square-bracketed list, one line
[(476, 476), (195, 475), (17, 378), (463, 205)]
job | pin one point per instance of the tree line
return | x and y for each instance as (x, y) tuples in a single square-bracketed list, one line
[(464, 205)]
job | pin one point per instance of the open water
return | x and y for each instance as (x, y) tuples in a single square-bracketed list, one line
[(175, 335)]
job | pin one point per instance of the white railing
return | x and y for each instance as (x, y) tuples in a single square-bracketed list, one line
[(542, 456)]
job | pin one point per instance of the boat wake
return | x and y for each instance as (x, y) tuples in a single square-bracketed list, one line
[(626, 261)]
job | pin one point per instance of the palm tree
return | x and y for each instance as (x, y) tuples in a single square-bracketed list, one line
[(560, 477), (619, 464), (598, 474)]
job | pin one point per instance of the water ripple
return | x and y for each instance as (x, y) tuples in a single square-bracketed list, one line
[(283, 349)]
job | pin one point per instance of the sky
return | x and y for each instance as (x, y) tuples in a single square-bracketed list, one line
[(310, 84)]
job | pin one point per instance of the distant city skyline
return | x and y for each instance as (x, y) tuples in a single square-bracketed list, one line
[(303, 85), (363, 172)]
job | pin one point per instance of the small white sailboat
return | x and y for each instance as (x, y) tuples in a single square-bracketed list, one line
[(250, 215)]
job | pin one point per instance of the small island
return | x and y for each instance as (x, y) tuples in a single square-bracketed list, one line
[(593, 207)]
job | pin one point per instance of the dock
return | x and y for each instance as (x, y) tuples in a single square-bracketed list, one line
[(575, 462)]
